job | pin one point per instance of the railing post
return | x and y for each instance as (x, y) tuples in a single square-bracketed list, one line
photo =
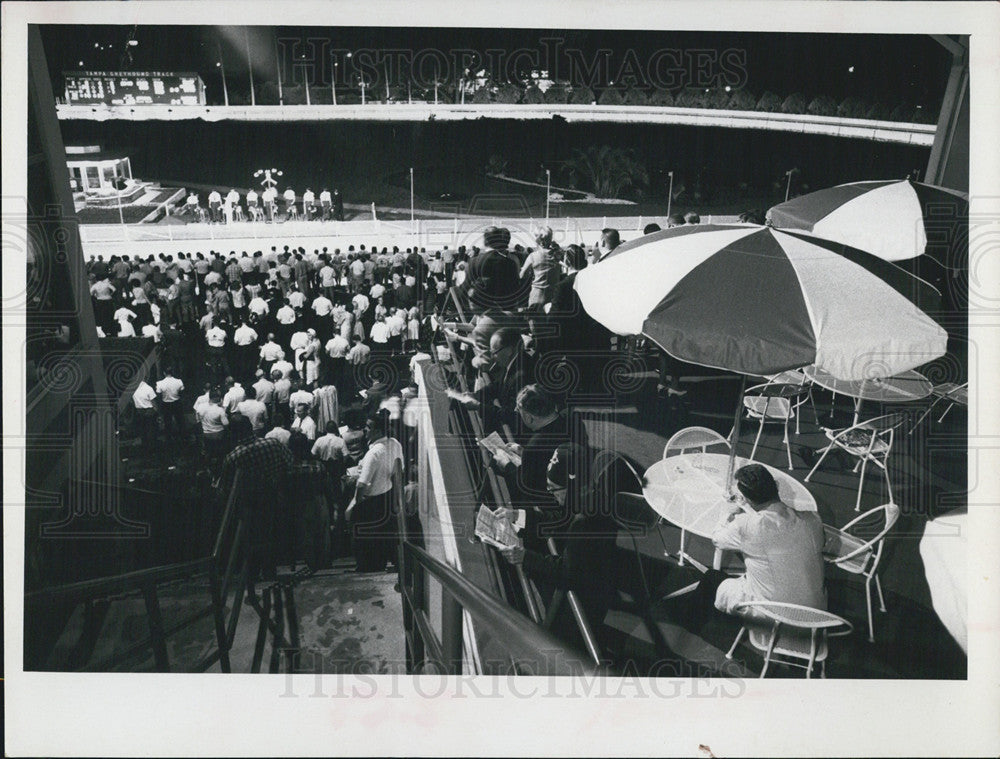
[(156, 635), (451, 634)]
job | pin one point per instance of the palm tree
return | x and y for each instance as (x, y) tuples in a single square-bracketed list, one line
[(608, 171)]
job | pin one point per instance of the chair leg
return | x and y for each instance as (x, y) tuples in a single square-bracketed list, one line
[(816, 465), (868, 602), (680, 552), (881, 598), (822, 669), (739, 637), (760, 430), (888, 484), (770, 648), (861, 483), (941, 418), (788, 445)]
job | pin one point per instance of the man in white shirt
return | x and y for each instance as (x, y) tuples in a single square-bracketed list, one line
[(330, 446), (282, 391), (308, 204), (263, 388), (245, 340), (377, 291), (214, 422), (380, 335), (299, 397), (289, 201), (169, 389), (203, 400), (373, 517), (255, 410), (252, 203), (234, 395), (215, 206), (258, 306), (328, 280), (359, 353), (303, 422), (144, 399), (296, 298), (283, 367), (152, 331), (782, 549), (326, 202), (322, 306), (278, 432), (269, 353), (360, 302)]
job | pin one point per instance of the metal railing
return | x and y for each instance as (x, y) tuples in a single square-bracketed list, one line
[(229, 559), (501, 497), (532, 649)]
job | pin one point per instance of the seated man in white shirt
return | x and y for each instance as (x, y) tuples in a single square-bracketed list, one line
[(782, 549)]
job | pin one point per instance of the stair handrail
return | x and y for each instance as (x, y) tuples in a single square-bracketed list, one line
[(146, 581)]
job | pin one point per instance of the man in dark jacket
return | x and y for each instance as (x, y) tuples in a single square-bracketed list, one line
[(493, 278)]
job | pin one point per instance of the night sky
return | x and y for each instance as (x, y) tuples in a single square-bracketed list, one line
[(911, 68)]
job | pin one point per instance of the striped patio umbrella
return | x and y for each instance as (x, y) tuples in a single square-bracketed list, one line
[(757, 300), (894, 220)]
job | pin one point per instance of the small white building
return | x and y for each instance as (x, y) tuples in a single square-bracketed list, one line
[(92, 170)]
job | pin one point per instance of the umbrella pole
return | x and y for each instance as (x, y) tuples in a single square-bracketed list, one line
[(736, 436)]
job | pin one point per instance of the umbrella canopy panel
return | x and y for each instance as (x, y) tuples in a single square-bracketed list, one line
[(894, 220), (756, 300)]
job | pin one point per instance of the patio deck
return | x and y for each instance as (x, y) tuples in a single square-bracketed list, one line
[(928, 470)]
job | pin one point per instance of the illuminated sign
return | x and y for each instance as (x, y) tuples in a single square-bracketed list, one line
[(133, 88)]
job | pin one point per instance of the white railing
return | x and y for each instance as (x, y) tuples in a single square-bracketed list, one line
[(877, 130), (147, 239)]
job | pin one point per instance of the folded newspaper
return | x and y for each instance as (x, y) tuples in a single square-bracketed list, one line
[(493, 443), (494, 529)]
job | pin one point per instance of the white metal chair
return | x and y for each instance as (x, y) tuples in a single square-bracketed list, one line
[(690, 438), (772, 402), (687, 439), (796, 377), (946, 391), (859, 555), (292, 213), (238, 214), (797, 633), (256, 213), (869, 442)]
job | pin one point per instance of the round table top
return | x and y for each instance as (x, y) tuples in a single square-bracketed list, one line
[(900, 388), (689, 490)]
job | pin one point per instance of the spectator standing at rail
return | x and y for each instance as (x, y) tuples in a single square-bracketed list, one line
[(544, 269), (493, 277), (373, 530)]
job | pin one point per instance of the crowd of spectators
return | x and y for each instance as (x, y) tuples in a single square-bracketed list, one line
[(278, 342)]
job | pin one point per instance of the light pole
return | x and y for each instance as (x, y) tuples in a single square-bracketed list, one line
[(670, 191), (277, 65), (788, 186), (548, 191), (225, 90), (246, 38), (333, 85), (411, 197), (305, 81)]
